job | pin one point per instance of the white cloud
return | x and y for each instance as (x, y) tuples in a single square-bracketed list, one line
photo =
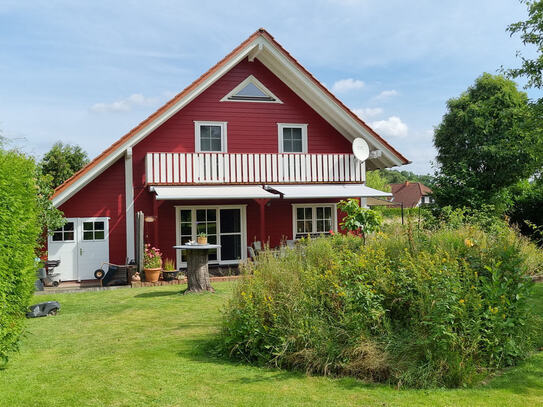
[(366, 113), (391, 127), (125, 105), (346, 85), (386, 94)]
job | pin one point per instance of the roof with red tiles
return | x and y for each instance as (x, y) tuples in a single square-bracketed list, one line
[(409, 193)]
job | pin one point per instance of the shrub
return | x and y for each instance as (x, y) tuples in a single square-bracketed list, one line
[(426, 308), (19, 230)]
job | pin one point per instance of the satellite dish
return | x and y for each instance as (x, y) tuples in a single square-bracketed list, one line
[(361, 150)]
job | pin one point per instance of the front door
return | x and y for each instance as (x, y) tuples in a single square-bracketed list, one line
[(81, 245), (223, 225)]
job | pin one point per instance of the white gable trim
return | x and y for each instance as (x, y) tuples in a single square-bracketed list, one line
[(315, 97), (284, 69), (258, 84), (140, 135)]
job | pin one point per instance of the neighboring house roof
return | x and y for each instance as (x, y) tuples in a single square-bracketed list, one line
[(259, 45), (409, 193)]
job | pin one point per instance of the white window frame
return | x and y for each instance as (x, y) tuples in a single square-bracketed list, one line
[(281, 126), (258, 84), (198, 124), (94, 220), (314, 207), (243, 213), (74, 232)]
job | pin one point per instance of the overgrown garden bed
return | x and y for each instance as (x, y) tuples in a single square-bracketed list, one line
[(412, 308)]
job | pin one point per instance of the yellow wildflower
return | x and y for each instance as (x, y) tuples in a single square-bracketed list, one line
[(461, 301), (468, 242)]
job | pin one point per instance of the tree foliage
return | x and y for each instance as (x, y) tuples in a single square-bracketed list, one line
[(487, 141), (374, 179), (531, 34), (527, 211), (63, 161), (399, 177), (19, 231), (359, 220)]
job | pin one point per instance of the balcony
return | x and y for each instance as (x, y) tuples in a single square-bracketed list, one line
[(247, 168)]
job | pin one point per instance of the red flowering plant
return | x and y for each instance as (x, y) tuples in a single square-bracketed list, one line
[(152, 258)]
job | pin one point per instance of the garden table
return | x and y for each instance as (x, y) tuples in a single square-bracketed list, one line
[(197, 266)]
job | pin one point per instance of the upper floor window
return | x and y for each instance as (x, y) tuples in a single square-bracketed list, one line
[(210, 136), (251, 90), (292, 138)]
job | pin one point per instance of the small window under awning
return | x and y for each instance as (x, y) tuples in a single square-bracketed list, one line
[(327, 191), (212, 192)]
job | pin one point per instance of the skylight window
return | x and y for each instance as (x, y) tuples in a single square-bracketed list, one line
[(251, 90)]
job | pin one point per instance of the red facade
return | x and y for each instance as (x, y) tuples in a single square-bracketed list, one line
[(252, 128)]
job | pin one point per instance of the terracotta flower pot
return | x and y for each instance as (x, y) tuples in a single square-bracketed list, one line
[(152, 275), (202, 240)]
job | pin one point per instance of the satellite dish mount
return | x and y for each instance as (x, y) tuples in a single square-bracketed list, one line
[(361, 150)]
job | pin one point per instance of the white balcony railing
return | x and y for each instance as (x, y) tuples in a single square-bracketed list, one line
[(246, 168)]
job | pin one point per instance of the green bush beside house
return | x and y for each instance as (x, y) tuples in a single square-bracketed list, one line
[(413, 308), (19, 232)]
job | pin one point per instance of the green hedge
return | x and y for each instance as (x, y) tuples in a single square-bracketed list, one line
[(413, 308), (19, 231)]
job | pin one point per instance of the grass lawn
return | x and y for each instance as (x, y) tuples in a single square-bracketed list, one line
[(146, 347)]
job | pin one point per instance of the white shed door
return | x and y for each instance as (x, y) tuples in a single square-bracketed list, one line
[(62, 246), (93, 246), (82, 246)]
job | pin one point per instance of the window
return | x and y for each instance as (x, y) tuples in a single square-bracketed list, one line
[(210, 136), (65, 233), (313, 219), (292, 138), (251, 90), (223, 225), (94, 230)]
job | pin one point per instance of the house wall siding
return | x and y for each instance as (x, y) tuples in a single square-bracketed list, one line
[(104, 197), (251, 128)]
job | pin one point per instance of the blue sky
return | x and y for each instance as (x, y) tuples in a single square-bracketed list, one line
[(87, 72)]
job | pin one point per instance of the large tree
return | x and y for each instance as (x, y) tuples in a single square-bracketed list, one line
[(487, 142), (531, 34), (63, 161)]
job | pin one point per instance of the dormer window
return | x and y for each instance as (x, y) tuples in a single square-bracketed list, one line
[(251, 90)]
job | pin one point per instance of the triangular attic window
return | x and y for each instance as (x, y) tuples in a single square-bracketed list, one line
[(251, 90)]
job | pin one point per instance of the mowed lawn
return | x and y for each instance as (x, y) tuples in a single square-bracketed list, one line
[(147, 347)]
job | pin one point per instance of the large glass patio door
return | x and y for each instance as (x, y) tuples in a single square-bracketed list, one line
[(224, 226)]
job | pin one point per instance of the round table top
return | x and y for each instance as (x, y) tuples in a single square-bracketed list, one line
[(198, 246)]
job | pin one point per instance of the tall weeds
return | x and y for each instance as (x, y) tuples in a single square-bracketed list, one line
[(413, 308)]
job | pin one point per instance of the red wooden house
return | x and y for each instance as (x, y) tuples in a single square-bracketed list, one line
[(256, 149)]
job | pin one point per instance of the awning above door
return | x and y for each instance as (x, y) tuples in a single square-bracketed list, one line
[(212, 192), (328, 191)]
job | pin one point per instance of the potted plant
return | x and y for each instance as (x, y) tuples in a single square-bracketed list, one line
[(169, 273), (202, 238), (152, 263)]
